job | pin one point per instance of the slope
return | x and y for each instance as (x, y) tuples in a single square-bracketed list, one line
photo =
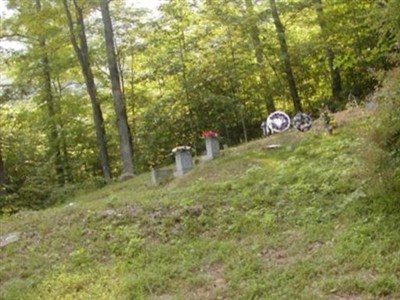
[(295, 222)]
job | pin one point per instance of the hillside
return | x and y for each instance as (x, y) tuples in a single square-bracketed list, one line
[(297, 222)]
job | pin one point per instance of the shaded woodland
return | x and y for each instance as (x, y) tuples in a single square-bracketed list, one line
[(99, 91)]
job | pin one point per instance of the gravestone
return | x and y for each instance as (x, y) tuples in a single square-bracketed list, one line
[(212, 147), (264, 128), (9, 238), (184, 163), (160, 175)]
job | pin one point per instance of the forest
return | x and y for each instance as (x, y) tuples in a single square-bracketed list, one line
[(100, 91)]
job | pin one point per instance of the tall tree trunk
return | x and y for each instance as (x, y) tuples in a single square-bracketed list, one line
[(255, 36), (54, 140), (336, 82), (82, 52), (182, 49), (280, 30), (232, 80), (3, 174), (119, 102), (132, 101), (62, 138)]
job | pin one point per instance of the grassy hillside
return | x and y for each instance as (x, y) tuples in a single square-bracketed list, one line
[(303, 221)]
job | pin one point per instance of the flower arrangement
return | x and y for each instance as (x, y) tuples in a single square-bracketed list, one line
[(210, 134), (181, 149), (329, 121)]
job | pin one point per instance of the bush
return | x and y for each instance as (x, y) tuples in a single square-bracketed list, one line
[(388, 121), (386, 136)]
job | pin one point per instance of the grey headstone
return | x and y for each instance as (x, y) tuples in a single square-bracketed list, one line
[(212, 147), (160, 175), (184, 163), (8, 239)]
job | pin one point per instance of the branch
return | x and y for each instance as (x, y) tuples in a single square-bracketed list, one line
[(17, 36)]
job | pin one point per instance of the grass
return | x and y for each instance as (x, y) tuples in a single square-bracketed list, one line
[(296, 222)]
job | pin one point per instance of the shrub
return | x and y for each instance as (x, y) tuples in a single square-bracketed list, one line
[(385, 134)]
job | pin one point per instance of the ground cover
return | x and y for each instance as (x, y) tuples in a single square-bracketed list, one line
[(299, 221)]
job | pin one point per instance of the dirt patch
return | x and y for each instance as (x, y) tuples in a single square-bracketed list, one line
[(216, 271), (276, 256), (163, 297), (314, 247), (216, 287), (281, 255), (345, 297)]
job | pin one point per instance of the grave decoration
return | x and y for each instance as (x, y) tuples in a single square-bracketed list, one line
[(181, 149), (302, 122), (277, 122), (183, 159), (212, 144), (329, 121), (210, 134)]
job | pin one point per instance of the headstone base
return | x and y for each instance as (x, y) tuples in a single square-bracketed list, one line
[(159, 176)]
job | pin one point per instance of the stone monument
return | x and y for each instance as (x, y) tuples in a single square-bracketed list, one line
[(183, 160), (212, 144), (159, 176), (212, 147)]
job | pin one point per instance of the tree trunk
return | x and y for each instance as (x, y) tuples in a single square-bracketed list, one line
[(3, 174), (336, 83), (132, 97), (63, 141), (119, 102), (255, 36), (233, 84), (81, 50), (182, 49), (54, 140), (280, 30)]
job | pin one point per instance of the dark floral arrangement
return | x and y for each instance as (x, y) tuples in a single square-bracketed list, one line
[(302, 122), (210, 134)]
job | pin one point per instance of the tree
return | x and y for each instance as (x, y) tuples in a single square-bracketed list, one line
[(229, 69), (200, 65), (233, 84), (54, 139), (180, 17), (285, 56), (334, 71), (255, 36), (80, 46), (119, 102), (3, 174)]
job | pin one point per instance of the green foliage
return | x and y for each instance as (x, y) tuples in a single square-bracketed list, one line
[(386, 134), (387, 125), (190, 70)]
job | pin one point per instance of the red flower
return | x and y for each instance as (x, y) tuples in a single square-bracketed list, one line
[(210, 134)]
